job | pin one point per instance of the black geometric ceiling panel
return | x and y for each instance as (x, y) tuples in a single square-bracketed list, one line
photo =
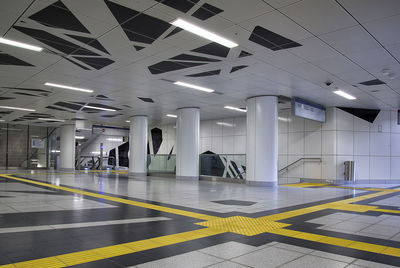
[(193, 58), (149, 100), (271, 40), (56, 42), (237, 68), (157, 138), (29, 89), (6, 59), (68, 105), (206, 11), (138, 26), (373, 82), (203, 74), (181, 5), (5, 112), (103, 97), (95, 62), (110, 115), (26, 94), (58, 15), (56, 108), (6, 98), (366, 114), (213, 49), (169, 66), (138, 48), (77, 64), (244, 54), (90, 42), (174, 31)]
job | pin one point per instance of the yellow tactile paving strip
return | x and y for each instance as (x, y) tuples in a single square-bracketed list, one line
[(215, 225)]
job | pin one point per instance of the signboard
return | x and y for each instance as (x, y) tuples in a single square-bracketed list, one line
[(37, 143), (308, 110)]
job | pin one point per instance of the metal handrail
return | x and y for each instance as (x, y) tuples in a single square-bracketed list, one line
[(297, 161)]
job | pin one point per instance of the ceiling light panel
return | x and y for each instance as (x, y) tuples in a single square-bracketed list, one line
[(235, 109), (194, 29), (52, 119), (17, 108), (68, 87), (183, 84), (19, 44), (99, 108), (344, 95), (172, 115)]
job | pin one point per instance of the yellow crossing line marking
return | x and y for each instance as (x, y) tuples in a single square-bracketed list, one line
[(119, 200), (215, 225), (305, 184)]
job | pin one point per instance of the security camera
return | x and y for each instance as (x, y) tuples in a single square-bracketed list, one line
[(328, 83)]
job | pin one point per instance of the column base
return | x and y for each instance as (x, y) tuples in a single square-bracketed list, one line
[(138, 174), (187, 178), (262, 183)]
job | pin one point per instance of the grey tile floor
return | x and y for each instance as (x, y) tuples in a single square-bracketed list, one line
[(18, 197)]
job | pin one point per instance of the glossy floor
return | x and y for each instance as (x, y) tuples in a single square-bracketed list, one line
[(110, 220)]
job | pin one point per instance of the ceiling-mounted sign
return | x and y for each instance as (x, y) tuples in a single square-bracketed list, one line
[(37, 143), (308, 110)]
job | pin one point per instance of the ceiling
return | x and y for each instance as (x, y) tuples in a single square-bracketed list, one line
[(126, 50)]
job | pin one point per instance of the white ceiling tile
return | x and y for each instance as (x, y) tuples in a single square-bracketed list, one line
[(368, 10), (319, 16), (385, 30)]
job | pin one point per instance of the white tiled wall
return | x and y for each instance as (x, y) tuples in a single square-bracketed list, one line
[(374, 147)]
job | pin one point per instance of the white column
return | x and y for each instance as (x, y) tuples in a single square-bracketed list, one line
[(262, 141), (67, 147), (138, 146), (187, 143)]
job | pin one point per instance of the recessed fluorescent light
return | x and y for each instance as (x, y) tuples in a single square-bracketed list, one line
[(99, 108), (19, 44), (2, 120), (115, 139), (55, 151), (95, 152), (68, 87), (203, 33), (344, 95), (283, 119), (17, 108), (128, 121), (235, 109), (183, 84), (52, 119), (79, 137), (225, 124), (171, 115)]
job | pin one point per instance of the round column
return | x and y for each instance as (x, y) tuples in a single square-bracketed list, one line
[(187, 143), (138, 146), (67, 147), (262, 141)]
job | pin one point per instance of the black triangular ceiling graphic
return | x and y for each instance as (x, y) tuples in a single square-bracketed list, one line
[(188, 57), (181, 5), (203, 74), (6, 59), (58, 15), (213, 49), (373, 82), (169, 66), (206, 11), (366, 114), (90, 42), (97, 63), (138, 26), (138, 48), (56, 42), (244, 54), (175, 31), (237, 68), (271, 40)]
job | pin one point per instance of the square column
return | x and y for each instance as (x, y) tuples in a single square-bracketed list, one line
[(138, 146)]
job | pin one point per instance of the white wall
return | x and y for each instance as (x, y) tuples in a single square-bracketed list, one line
[(375, 147)]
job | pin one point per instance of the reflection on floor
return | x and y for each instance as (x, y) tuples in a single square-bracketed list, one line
[(106, 219)]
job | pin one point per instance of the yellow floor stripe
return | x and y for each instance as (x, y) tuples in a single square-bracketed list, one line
[(216, 225), (119, 200), (305, 184)]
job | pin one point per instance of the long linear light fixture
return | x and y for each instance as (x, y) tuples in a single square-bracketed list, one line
[(99, 108), (344, 95), (235, 109), (183, 84), (79, 137), (52, 119), (68, 87), (171, 115), (19, 44), (17, 108), (203, 33)]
